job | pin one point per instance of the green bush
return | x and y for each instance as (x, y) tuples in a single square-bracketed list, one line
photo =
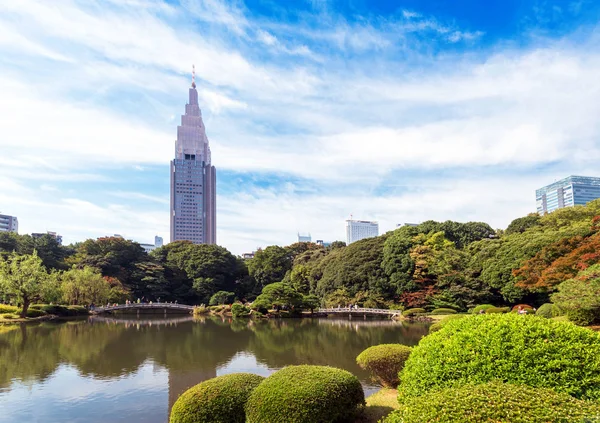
[(582, 316), (32, 312), (384, 362), (496, 310), (5, 308), (218, 400), (64, 311), (306, 394), (9, 316), (413, 312), (443, 311), (238, 310), (526, 350), (494, 402), (201, 309), (221, 297), (484, 307), (549, 311)]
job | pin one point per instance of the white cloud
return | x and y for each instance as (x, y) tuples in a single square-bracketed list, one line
[(331, 121)]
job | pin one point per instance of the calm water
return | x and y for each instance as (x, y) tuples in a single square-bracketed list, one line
[(132, 369)]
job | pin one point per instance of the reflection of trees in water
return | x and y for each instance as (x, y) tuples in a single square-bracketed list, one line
[(191, 350), (277, 343)]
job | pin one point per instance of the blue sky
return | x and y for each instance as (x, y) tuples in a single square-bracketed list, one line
[(396, 111)]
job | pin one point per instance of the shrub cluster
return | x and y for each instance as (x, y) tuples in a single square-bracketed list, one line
[(384, 362), (5, 308), (238, 310), (549, 311), (438, 311), (497, 310), (483, 307), (306, 394), (218, 400), (494, 402), (62, 311), (517, 349), (34, 312), (413, 312)]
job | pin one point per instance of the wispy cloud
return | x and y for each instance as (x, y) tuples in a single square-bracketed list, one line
[(346, 104)]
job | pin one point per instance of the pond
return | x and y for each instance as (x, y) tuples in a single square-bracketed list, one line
[(133, 368)]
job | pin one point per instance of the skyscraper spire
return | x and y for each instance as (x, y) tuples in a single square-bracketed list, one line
[(193, 76)]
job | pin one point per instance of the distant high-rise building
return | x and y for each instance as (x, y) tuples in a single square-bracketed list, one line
[(360, 229), (158, 241), (304, 238), (568, 192), (193, 179), (8, 223)]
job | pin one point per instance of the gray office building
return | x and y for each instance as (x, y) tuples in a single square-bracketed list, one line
[(8, 223), (193, 179), (568, 192)]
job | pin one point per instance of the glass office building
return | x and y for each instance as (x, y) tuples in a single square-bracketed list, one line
[(193, 179), (568, 192)]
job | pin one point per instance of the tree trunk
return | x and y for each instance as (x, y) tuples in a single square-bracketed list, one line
[(26, 303)]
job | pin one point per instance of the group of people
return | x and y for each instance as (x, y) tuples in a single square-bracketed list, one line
[(349, 306)]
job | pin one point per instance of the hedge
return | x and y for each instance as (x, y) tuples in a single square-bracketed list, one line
[(520, 349), (384, 362), (306, 394), (413, 312), (497, 310), (494, 402), (64, 311), (218, 400), (483, 307), (443, 311), (549, 311), (34, 312)]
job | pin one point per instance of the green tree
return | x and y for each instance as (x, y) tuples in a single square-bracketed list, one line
[(84, 286), (580, 296), (270, 265), (221, 297), (25, 279), (280, 295)]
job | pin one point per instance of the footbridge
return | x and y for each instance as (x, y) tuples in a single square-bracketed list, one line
[(361, 311), (144, 306)]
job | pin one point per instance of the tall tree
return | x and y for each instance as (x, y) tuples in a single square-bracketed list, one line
[(84, 286), (24, 278)]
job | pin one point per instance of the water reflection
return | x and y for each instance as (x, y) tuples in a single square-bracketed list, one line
[(133, 369)]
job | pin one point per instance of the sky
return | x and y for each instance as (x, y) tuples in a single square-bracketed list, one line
[(316, 110)]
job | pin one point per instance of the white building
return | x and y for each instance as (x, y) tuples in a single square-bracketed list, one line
[(158, 242), (8, 223), (304, 238), (360, 229)]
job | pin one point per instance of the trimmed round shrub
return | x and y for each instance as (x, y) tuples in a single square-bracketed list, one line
[(218, 400), (443, 311), (526, 350), (497, 310), (413, 312), (526, 307), (484, 307), (239, 310), (549, 311), (384, 362), (306, 394), (494, 402)]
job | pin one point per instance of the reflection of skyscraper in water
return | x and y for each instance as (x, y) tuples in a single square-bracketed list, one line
[(181, 380)]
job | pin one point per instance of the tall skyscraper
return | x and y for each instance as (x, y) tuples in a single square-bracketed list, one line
[(568, 192), (8, 223), (193, 179), (360, 229)]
